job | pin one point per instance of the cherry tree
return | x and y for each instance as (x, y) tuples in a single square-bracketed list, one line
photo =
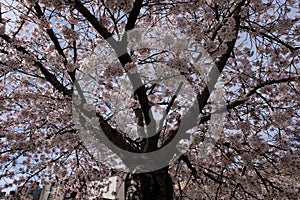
[(251, 83)]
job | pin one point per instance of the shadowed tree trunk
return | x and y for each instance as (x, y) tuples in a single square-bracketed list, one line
[(149, 186)]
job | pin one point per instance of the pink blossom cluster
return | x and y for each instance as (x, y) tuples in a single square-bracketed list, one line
[(69, 34), (113, 71), (178, 64)]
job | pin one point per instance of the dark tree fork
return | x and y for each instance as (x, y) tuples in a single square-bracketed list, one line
[(157, 184)]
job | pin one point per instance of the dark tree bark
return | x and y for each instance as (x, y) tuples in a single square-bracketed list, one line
[(156, 185)]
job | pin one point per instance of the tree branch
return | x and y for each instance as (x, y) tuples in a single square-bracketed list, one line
[(48, 76), (92, 19), (270, 37), (54, 39), (134, 14)]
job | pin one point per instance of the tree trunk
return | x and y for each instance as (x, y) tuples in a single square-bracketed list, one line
[(156, 185)]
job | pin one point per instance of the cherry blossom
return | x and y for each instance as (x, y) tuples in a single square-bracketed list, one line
[(46, 45)]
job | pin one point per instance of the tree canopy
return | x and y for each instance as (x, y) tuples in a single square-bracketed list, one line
[(245, 91)]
